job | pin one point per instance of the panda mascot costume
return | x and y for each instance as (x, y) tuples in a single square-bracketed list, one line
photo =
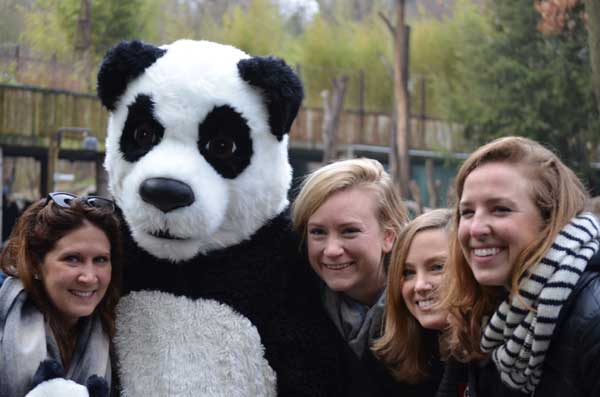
[(217, 299)]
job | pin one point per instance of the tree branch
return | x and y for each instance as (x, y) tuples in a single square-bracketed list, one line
[(387, 22)]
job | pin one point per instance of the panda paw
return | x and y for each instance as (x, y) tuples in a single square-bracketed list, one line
[(49, 381)]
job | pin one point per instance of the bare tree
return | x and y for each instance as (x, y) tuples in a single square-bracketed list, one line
[(83, 46), (332, 110), (400, 144), (593, 12)]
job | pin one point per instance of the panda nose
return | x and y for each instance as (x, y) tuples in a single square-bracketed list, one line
[(166, 194)]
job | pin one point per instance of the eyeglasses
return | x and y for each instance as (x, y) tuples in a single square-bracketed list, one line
[(64, 200)]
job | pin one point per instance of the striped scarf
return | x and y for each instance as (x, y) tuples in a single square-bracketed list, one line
[(519, 337)]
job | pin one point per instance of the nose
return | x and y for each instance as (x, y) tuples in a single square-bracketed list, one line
[(166, 194), (333, 247), (480, 226), (87, 275), (422, 284)]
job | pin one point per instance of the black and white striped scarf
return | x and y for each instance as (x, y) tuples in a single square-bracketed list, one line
[(519, 337)]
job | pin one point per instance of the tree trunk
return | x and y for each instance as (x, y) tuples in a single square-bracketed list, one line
[(401, 33), (592, 8), (432, 183), (332, 109)]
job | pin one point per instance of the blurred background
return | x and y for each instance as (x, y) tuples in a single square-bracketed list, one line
[(415, 84)]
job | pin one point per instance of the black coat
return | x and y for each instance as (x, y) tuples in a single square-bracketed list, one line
[(382, 384), (572, 364)]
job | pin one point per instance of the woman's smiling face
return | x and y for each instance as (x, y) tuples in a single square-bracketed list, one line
[(498, 220), (346, 244), (77, 272), (422, 276)]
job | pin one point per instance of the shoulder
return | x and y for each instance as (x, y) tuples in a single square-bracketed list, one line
[(580, 319)]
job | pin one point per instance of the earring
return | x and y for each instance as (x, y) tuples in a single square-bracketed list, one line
[(36, 276)]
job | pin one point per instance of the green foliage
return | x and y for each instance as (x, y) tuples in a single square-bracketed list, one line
[(331, 49), (52, 26), (437, 51), (257, 30), (11, 21), (515, 81)]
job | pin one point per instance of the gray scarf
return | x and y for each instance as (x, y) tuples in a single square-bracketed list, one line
[(518, 336), (358, 323), (26, 340)]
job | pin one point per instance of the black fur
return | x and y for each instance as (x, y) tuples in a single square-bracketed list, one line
[(141, 131), (48, 369), (123, 63), (266, 280), (224, 141), (280, 86), (97, 386)]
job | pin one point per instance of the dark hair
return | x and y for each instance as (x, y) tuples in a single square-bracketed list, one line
[(36, 233)]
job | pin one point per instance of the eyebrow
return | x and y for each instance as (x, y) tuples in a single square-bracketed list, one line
[(493, 200)]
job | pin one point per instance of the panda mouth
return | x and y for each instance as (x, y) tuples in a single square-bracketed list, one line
[(164, 234)]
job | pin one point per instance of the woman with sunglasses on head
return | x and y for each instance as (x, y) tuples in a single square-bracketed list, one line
[(63, 261), (523, 277), (413, 318)]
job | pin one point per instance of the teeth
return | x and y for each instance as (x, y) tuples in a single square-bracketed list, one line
[(486, 251), (425, 304), (334, 266), (83, 294)]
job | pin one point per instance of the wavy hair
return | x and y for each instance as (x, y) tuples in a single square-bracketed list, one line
[(401, 346), (35, 234), (558, 195)]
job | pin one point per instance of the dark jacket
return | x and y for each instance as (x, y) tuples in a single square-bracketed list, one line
[(384, 384), (571, 367)]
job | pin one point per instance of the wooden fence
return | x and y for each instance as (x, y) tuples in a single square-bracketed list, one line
[(30, 115)]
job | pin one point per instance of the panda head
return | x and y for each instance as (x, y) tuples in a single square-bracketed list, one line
[(196, 148)]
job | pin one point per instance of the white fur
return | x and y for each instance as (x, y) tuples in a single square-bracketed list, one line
[(185, 84), (175, 346), (58, 387)]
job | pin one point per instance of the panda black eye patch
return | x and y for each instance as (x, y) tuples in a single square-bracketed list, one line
[(224, 141), (141, 131)]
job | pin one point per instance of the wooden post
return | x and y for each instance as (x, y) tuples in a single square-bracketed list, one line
[(52, 162), (332, 110), (592, 8), (361, 106), (1, 189), (401, 34), (17, 61), (432, 183), (101, 179)]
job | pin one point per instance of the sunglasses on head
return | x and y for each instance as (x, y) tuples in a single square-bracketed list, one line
[(64, 200)]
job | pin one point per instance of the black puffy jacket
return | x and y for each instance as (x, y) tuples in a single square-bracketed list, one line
[(572, 364)]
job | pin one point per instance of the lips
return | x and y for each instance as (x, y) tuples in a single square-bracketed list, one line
[(485, 252), (337, 266), (425, 303), (82, 294)]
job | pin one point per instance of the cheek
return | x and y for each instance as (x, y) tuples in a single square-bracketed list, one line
[(313, 251), (407, 290), (435, 280), (463, 232)]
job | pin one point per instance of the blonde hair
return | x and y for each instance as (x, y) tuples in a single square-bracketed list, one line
[(559, 196), (401, 347), (361, 173)]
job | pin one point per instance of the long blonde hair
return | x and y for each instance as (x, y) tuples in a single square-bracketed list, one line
[(559, 196), (401, 347)]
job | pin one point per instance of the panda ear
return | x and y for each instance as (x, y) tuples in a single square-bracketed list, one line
[(123, 63), (281, 88)]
